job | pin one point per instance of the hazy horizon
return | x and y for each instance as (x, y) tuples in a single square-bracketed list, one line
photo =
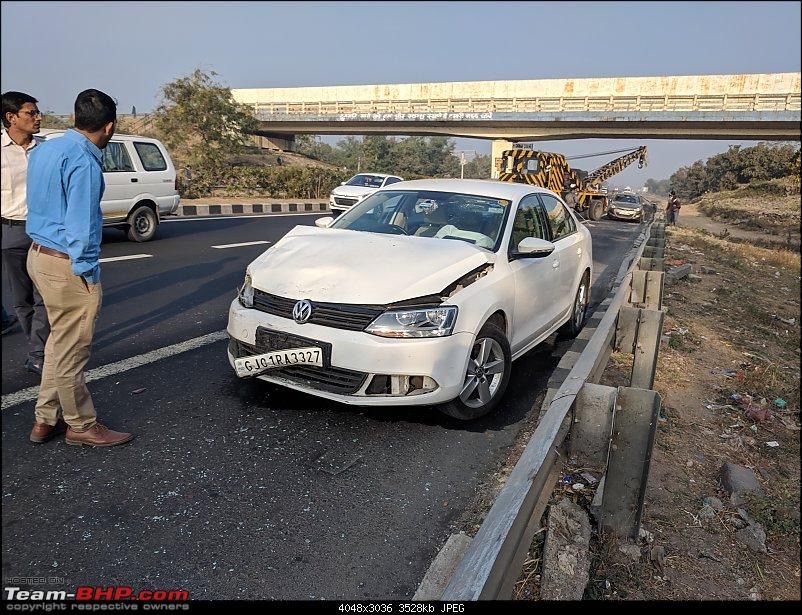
[(53, 50)]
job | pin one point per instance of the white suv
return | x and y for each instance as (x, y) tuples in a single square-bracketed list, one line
[(349, 193), (141, 184)]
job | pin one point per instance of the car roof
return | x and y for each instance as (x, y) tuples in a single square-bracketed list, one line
[(376, 174), (479, 187), (47, 132)]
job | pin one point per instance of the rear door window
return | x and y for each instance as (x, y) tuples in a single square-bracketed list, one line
[(151, 156), (116, 159)]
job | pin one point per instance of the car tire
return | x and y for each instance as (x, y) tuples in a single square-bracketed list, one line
[(596, 210), (579, 311), (482, 394), (142, 224)]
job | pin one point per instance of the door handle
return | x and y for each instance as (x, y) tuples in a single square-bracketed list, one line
[(555, 264), (579, 251), (134, 179)]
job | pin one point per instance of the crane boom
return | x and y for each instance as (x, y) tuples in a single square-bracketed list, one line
[(606, 171)]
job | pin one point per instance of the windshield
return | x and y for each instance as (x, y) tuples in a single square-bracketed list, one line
[(365, 181), (439, 215), (626, 198)]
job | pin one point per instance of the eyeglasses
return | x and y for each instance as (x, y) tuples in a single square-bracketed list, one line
[(36, 113)]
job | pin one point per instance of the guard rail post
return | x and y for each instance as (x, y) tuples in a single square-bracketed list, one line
[(637, 407)]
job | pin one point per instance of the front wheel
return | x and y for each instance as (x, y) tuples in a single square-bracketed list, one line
[(486, 377), (577, 321), (142, 224)]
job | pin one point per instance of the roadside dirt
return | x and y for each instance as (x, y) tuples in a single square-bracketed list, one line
[(764, 214), (728, 374)]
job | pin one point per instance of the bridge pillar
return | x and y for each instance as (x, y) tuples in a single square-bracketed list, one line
[(499, 145), (283, 143)]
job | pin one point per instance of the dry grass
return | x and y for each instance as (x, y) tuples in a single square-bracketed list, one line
[(772, 207), (735, 330), (723, 248)]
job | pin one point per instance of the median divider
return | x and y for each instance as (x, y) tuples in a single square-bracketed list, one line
[(267, 207), (612, 427)]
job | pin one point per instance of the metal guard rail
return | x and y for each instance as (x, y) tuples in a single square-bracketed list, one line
[(493, 562)]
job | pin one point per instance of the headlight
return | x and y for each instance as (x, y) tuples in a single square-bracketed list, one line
[(246, 292), (430, 322)]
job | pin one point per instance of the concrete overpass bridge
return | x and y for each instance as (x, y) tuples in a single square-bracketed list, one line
[(734, 107), (750, 107)]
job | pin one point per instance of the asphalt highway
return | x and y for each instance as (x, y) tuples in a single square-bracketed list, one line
[(236, 489)]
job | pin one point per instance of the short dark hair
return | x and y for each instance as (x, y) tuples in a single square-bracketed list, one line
[(93, 110), (13, 102)]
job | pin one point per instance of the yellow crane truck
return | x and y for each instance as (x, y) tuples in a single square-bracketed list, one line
[(552, 171)]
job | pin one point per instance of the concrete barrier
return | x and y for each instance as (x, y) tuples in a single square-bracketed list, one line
[(268, 207)]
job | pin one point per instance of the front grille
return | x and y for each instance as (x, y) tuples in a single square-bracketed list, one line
[(331, 379), (344, 201), (336, 315)]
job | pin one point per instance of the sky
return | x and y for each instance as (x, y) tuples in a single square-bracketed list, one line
[(53, 50)]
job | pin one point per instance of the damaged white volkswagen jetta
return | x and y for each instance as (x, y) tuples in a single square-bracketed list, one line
[(422, 294)]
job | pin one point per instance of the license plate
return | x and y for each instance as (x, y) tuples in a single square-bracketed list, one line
[(256, 364)]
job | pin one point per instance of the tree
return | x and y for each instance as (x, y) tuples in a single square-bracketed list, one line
[(478, 167), (202, 124), (51, 120), (657, 186)]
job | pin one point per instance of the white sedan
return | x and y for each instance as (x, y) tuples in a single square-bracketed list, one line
[(361, 185), (424, 293)]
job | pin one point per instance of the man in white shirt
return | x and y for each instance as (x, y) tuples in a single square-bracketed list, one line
[(21, 121)]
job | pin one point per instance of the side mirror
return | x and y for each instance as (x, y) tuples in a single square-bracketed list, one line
[(534, 247), (324, 222), (342, 183)]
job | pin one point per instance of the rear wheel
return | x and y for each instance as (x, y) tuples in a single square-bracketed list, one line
[(579, 311), (142, 224), (486, 377), (596, 210)]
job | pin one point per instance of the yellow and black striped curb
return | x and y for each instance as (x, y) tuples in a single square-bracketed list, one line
[(232, 209)]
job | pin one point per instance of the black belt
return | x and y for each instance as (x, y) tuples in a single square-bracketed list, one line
[(13, 222)]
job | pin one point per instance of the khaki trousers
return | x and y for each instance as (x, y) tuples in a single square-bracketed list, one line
[(72, 309)]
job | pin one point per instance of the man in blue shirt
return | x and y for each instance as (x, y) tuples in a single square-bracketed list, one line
[(65, 185)]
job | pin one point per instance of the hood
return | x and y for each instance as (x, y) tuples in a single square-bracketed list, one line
[(622, 205), (352, 190), (341, 266)]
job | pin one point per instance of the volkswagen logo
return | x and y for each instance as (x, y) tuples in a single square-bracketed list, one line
[(302, 311)]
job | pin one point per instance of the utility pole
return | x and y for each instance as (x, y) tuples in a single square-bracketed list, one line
[(462, 153)]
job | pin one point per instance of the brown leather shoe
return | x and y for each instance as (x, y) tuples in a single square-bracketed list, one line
[(42, 432), (97, 435)]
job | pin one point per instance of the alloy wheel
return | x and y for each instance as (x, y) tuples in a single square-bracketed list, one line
[(580, 305), (484, 374)]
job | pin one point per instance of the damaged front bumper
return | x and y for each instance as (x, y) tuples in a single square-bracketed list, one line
[(359, 368)]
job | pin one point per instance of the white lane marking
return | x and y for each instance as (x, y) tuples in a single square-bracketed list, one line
[(224, 217), (237, 245), (130, 257), (12, 399)]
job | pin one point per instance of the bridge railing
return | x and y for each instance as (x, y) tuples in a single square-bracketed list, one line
[(678, 104)]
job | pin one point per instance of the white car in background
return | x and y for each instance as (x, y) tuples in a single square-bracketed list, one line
[(141, 184), (437, 287), (361, 185)]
